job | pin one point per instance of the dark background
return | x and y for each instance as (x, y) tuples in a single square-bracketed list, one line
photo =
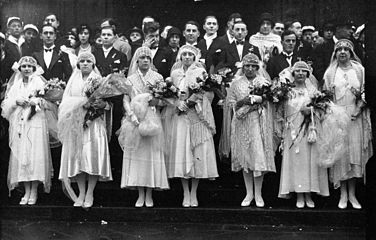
[(176, 12), (129, 13)]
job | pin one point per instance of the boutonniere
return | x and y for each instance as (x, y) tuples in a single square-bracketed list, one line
[(251, 49), (113, 56)]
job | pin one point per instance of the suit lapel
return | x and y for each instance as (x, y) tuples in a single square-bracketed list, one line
[(55, 57), (40, 59), (234, 51), (246, 48)]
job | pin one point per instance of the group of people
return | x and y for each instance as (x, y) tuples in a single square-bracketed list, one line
[(182, 136)]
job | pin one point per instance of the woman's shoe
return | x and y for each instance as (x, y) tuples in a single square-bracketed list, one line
[(246, 202), (186, 202), (342, 203), (194, 202), (32, 200), (259, 202), (24, 201), (300, 204), (88, 202), (149, 203), (78, 203), (355, 204), (310, 203)]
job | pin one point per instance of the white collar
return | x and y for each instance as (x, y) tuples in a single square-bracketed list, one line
[(108, 49), (335, 39), (207, 37), (16, 41), (287, 54), (230, 37), (195, 43), (52, 47)]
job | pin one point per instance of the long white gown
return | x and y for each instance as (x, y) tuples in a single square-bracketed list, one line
[(84, 150), (30, 157)]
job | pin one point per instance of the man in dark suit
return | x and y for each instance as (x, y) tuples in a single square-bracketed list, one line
[(216, 49), (160, 56), (286, 58), (235, 51), (108, 59), (54, 62), (211, 27), (12, 47)]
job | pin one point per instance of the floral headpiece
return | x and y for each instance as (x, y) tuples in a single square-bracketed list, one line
[(27, 60), (301, 65), (250, 58), (86, 56), (142, 51), (189, 48), (344, 43)]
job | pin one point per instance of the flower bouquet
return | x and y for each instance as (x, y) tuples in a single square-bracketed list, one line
[(98, 88), (164, 89), (195, 94), (52, 91), (217, 83)]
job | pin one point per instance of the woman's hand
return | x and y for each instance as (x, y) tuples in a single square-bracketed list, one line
[(182, 106), (154, 102), (355, 114), (255, 99), (22, 102), (305, 110), (134, 119), (99, 104)]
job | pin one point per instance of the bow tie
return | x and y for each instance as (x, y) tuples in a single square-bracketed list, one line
[(287, 56), (48, 50), (239, 42)]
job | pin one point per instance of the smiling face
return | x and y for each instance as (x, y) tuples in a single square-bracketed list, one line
[(343, 54), (211, 26), (187, 58), (191, 33), (26, 70), (240, 31)]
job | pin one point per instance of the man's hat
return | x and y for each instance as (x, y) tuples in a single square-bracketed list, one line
[(31, 26), (13, 19), (135, 29)]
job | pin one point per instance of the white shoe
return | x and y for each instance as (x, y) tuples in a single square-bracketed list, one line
[(246, 202)]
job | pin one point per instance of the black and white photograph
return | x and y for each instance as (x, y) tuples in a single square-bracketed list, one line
[(187, 119)]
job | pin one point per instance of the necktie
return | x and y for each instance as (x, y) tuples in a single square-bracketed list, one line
[(240, 42), (288, 57), (48, 50)]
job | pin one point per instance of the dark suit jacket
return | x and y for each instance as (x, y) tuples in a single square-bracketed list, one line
[(203, 48), (115, 61), (321, 59), (60, 66), (216, 52), (231, 55), (163, 61), (12, 54), (277, 63)]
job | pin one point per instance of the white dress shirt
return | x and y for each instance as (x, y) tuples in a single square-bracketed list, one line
[(47, 56), (288, 57), (209, 40), (106, 51)]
